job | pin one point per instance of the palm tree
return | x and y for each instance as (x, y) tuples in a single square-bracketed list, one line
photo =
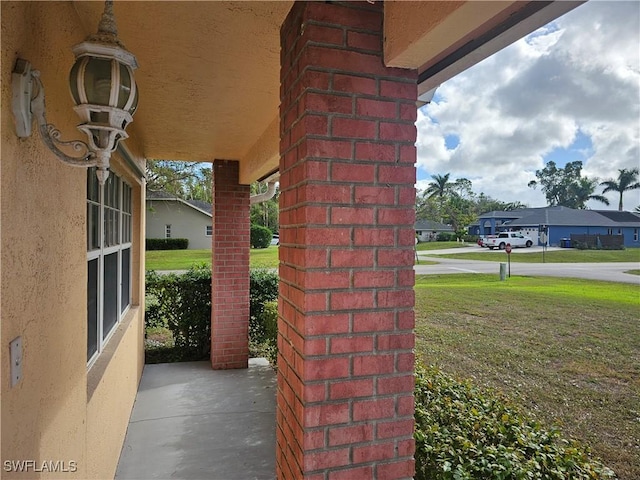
[(627, 180), (439, 187), (582, 191)]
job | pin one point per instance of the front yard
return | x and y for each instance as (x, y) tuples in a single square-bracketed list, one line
[(568, 351)]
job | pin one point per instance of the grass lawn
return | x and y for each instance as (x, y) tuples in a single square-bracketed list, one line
[(184, 259), (567, 350), (441, 245), (568, 255)]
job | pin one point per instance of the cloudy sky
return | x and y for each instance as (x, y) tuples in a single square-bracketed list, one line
[(569, 91)]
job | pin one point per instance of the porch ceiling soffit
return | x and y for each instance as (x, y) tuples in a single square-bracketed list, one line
[(442, 39), (208, 78)]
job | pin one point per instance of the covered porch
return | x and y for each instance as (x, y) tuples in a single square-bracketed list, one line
[(326, 93)]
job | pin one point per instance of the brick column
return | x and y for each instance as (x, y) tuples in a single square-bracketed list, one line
[(229, 268), (345, 371)]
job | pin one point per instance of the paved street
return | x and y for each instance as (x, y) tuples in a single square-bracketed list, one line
[(612, 272)]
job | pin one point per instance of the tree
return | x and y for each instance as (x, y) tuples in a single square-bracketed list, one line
[(440, 186), (582, 191), (627, 180), (566, 186), (170, 176)]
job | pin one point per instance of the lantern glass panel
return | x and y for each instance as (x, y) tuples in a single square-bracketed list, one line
[(97, 81), (125, 86), (73, 80)]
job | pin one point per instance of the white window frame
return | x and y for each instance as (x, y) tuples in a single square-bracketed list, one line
[(635, 234), (208, 230), (167, 230), (102, 252)]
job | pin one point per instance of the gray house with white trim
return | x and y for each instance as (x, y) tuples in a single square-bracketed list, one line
[(172, 217)]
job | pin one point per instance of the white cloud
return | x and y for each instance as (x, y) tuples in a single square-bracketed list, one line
[(579, 74)]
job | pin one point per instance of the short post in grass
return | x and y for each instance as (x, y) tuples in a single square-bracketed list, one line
[(503, 272), (508, 250)]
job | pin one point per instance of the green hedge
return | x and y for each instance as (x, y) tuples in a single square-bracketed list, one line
[(260, 237), (166, 243), (463, 432), (182, 303)]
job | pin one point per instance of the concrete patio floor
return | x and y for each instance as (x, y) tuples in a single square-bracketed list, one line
[(191, 422)]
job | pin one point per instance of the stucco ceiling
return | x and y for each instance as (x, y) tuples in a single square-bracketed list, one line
[(209, 70), (208, 73)]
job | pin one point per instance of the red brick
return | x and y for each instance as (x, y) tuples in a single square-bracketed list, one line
[(372, 453), (406, 448), (397, 174), (367, 107), (351, 300), (314, 393), (406, 236), (350, 389), (405, 362), (330, 236), (326, 368), (398, 132), (320, 148), (348, 172), (326, 193), (354, 84), (396, 216), (353, 128), (405, 90), (333, 324), (373, 278), (326, 414), (313, 439), (324, 280), (351, 344), (323, 34), (326, 459), (351, 258), (381, 152), (403, 469), (373, 322), (357, 19), (373, 364), (398, 341), (374, 195), (352, 215), (326, 103), (349, 435), (373, 236), (388, 385), (408, 112), (364, 41), (406, 405), (373, 409), (396, 298), (408, 154), (357, 473), (394, 258)]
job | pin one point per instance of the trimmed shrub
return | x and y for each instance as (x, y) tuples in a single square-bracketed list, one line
[(446, 237), (260, 236), (166, 243), (182, 303), (263, 288), (463, 432)]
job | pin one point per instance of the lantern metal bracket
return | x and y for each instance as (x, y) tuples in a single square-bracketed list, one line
[(26, 81)]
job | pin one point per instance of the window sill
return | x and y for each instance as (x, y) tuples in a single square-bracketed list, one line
[(99, 367)]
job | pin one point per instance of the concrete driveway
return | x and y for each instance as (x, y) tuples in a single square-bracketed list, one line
[(612, 272)]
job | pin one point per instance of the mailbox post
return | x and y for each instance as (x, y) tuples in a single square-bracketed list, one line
[(508, 250)]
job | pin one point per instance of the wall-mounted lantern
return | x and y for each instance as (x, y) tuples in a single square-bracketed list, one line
[(103, 89)]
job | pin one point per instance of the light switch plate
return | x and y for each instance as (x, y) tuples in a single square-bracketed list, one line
[(15, 349)]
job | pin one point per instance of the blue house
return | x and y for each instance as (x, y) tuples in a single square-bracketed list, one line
[(561, 223)]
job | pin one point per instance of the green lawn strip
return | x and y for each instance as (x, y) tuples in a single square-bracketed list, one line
[(633, 272), (185, 259), (556, 256), (441, 245), (568, 350)]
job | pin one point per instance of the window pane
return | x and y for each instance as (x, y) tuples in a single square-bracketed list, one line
[(92, 309), (126, 279), (110, 296)]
